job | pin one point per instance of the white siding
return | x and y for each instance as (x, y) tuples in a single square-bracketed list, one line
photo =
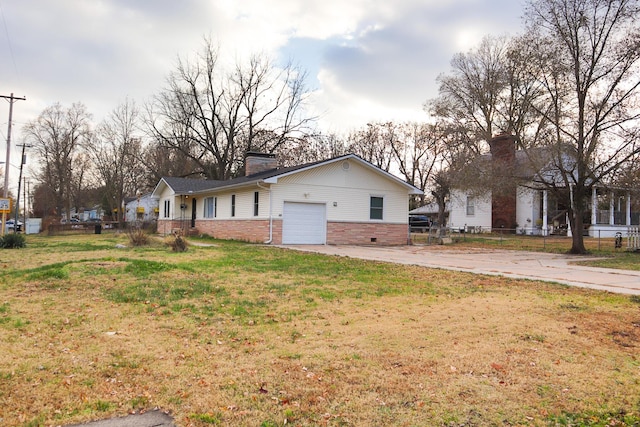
[(458, 217), (527, 209), (244, 204), (345, 191), (147, 202), (166, 194)]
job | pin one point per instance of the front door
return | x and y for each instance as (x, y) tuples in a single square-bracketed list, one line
[(193, 212)]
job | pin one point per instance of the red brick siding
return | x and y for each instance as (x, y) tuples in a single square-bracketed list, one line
[(257, 231), (252, 230), (166, 226), (353, 233)]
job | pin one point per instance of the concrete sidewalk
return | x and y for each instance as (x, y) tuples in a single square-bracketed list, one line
[(558, 268)]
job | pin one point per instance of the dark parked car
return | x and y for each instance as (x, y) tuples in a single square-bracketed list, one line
[(419, 223)]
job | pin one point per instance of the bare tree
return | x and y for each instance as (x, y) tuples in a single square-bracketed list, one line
[(585, 57), (568, 89), (417, 151), (57, 135), (214, 116), (159, 161), (475, 95), (311, 148), (373, 144), (115, 152)]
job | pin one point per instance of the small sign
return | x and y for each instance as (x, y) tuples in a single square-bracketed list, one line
[(5, 206)]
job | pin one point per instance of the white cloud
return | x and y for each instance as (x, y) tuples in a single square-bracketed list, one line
[(367, 59)]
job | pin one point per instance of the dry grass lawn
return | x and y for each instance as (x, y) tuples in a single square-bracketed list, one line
[(246, 335)]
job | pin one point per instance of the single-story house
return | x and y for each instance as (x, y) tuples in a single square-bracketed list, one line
[(142, 208), (533, 210), (343, 200)]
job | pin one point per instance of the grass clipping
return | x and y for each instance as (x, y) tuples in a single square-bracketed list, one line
[(248, 335)]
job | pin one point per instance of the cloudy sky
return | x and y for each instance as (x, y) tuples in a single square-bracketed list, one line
[(366, 60)]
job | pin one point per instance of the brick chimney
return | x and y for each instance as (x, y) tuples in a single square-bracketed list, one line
[(503, 200), (503, 148), (255, 162)]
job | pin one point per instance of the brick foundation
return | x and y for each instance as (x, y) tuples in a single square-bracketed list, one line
[(350, 233), (254, 231), (257, 231), (167, 226)]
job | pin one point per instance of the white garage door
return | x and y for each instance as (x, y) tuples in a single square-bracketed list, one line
[(304, 224)]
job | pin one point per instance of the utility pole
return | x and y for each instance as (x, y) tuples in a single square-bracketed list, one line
[(23, 161), (11, 99)]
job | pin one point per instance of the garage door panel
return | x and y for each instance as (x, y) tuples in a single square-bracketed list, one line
[(304, 224)]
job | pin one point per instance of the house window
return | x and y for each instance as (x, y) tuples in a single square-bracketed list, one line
[(233, 205), (210, 207), (256, 204), (375, 207), (471, 206), (167, 208)]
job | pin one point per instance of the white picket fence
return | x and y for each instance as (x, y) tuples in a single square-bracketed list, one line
[(633, 239)]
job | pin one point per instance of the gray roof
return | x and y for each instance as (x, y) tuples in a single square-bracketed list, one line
[(184, 185), (190, 185)]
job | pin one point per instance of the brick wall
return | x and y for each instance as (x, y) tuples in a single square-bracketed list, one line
[(257, 231), (166, 226), (350, 233), (503, 204)]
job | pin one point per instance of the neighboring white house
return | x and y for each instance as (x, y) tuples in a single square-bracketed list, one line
[(344, 200), (143, 208), (534, 211)]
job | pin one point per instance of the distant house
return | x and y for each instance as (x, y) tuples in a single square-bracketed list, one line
[(531, 210), (344, 200), (142, 208), (85, 214)]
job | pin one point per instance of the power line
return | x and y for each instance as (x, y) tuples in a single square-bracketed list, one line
[(6, 31)]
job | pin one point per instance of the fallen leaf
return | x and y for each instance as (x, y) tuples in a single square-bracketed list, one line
[(497, 367)]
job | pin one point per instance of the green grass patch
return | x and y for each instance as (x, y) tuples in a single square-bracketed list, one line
[(621, 261), (145, 268), (57, 271), (208, 418), (101, 406), (596, 419)]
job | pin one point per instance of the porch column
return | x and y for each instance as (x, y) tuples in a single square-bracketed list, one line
[(611, 209), (594, 206), (628, 219), (545, 207)]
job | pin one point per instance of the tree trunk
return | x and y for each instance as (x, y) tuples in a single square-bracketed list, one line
[(577, 228)]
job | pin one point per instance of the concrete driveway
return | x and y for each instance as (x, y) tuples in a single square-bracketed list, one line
[(558, 268)]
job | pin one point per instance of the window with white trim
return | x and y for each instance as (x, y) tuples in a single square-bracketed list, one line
[(210, 207), (167, 209), (256, 203), (233, 205), (471, 206), (376, 205)]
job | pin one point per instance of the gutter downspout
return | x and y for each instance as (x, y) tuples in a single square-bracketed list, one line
[(270, 213)]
